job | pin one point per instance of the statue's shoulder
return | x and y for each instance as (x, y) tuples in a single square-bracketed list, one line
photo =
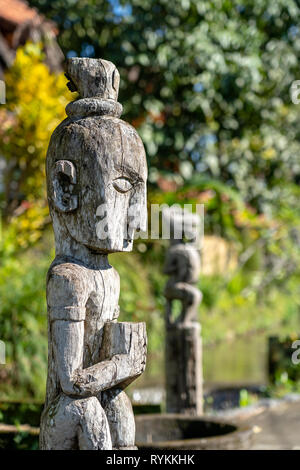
[(184, 253), (178, 249), (66, 268), (69, 279)]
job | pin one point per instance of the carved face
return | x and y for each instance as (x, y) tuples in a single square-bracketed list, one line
[(96, 173)]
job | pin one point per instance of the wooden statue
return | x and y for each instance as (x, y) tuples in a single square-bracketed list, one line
[(183, 354), (96, 181)]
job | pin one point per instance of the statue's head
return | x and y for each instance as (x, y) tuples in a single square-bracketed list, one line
[(96, 165)]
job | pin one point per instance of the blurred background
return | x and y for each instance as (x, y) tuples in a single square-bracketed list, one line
[(207, 86)]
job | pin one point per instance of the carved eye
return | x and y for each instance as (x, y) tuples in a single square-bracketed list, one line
[(122, 185)]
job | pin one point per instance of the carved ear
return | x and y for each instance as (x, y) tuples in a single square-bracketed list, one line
[(64, 184)]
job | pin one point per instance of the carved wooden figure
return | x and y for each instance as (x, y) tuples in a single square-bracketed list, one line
[(183, 339), (96, 180)]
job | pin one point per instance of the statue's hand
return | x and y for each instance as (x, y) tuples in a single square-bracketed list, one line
[(119, 371), (124, 345), (122, 360), (131, 365)]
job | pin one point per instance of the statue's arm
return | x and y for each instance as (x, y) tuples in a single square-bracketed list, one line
[(67, 337)]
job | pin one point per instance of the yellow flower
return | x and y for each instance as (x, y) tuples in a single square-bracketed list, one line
[(269, 153), (36, 101)]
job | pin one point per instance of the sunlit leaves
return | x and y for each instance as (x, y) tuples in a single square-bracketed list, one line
[(35, 105)]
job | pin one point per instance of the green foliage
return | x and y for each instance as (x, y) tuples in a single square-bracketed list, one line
[(247, 398), (23, 325), (206, 83), (21, 412), (138, 301), (284, 385), (262, 292), (35, 105), (19, 441), (232, 312)]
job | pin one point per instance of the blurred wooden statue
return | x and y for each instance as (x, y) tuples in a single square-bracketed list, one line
[(96, 181), (183, 340)]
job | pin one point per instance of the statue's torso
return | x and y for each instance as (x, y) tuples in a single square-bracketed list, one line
[(96, 291)]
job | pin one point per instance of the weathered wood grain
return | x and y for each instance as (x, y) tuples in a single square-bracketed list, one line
[(96, 181)]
